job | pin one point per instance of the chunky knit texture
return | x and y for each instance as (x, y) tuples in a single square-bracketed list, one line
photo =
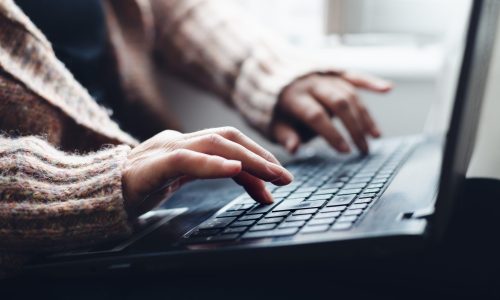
[(51, 200)]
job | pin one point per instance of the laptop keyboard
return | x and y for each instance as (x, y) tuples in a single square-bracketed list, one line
[(325, 196)]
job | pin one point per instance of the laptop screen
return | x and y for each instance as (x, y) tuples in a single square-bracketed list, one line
[(480, 44)]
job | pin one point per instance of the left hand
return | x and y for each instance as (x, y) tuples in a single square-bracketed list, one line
[(306, 106)]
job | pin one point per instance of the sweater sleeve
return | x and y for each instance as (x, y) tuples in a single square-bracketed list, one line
[(51, 200), (211, 43)]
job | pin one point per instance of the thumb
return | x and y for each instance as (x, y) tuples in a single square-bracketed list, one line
[(368, 82)]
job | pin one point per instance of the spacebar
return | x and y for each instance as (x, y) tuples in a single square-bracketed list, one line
[(270, 233)]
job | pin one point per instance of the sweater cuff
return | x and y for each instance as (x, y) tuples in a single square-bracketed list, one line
[(263, 77), (51, 201)]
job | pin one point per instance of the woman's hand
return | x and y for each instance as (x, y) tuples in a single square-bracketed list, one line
[(307, 105), (170, 159)]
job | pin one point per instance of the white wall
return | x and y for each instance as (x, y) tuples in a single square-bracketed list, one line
[(486, 159), (417, 71)]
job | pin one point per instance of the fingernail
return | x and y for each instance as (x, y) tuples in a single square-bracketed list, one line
[(267, 196), (384, 85), (290, 145), (282, 175), (344, 147), (376, 132), (231, 165), (364, 147)]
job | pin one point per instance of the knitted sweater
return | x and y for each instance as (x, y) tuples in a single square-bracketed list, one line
[(52, 200)]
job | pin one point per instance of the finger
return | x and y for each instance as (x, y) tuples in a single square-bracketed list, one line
[(368, 82), (286, 136), (312, 114), (366, 121), (254, 187), (237, 136), (185, 162), (254, 164)]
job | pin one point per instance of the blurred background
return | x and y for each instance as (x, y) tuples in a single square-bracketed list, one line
[(415, 43)]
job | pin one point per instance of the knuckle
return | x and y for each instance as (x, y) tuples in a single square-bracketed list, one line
[(268, 156), (178, 156), (214, 139), (314, 114), (342, 104), (230, 132)]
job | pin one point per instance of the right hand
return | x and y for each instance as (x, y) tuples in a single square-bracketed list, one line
[(171, 156)]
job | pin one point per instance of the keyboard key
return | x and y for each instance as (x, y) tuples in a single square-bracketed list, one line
[(358, 206), (299, 195), (292, 224), (277, 214), (292, 205), (245, 206), (332, 214), (305, 211), (260, 209), (343, 179), (319, 197), (380, 180), (333, 209), (326, 221), (342, 226), (326, 191), (235, 229), (375, 185), (305, 189), (250, 217), (349, 192), (296, 199), (216, 223), (354, 185), (234, 213), (374, 190), (298, 218), (280, 194), (365, 174), (353, 212), (341, 200), (314, 229), (270, 233), (347, 219), (333, 185), (271, 220), (263, 227), (360, 180), (242, 223), (363, 200), (367, 195)]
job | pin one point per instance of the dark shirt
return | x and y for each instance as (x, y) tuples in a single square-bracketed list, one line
[(77, 32)]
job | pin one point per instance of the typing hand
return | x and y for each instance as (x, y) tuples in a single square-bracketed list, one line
[(174, 158), (307, 105)]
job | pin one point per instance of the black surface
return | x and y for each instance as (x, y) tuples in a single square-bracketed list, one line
[(469, 271), (77, 31)]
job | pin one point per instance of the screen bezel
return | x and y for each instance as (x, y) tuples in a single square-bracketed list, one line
[(469, 96)]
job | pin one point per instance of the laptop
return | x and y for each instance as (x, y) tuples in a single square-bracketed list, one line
[(397, 199)]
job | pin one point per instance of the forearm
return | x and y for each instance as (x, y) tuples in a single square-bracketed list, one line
[(215, 46), (50, 200)]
